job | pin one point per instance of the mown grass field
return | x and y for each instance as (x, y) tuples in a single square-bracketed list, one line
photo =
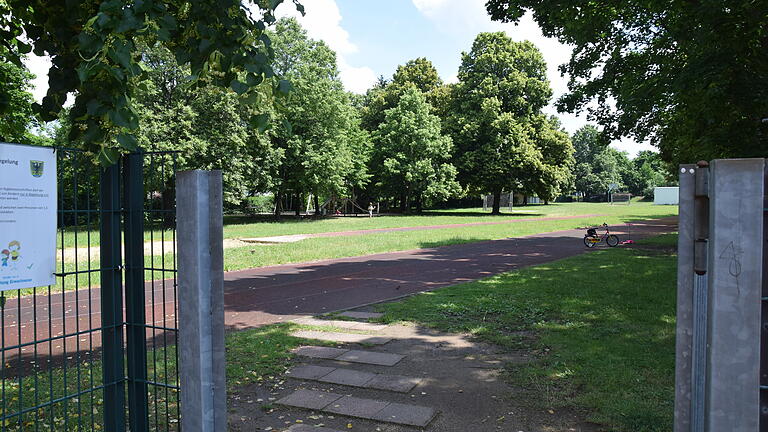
[(241, 226), (601, 327), (312, 249)]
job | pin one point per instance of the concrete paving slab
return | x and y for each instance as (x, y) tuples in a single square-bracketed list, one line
[(341, 337), (310, 372), (370, 357), (411, 415), (352, 325), (356, 407), (319, 352), (348, 377), (308, 428), (395, 383), (361, 315), (309, 399)]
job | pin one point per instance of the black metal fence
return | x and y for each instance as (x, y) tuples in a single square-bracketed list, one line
[(97, 351)]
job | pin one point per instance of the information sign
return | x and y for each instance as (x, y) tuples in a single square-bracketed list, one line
[(27, 216)]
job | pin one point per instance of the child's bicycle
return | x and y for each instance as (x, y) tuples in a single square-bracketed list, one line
[(592, 238)]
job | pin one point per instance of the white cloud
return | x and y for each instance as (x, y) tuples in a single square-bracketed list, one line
[(322, 20)]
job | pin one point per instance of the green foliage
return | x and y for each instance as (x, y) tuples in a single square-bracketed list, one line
[(411, 156), (503, 141), (16, 114), (599, 327), (322, 149), (689, 76), (419, 73), (261, 204), (597, 166), (95, 47)]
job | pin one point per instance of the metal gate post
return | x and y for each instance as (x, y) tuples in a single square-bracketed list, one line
[(135, 315), (685, 301), (201, 301), (735, 283), (111, 300)]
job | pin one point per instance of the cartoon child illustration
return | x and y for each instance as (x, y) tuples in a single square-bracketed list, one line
[(14, 247), (4, 255)]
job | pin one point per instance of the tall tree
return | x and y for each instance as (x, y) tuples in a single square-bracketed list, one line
[(502, 140), (94, 49), (689, 76), (322, 146), (594, 168), (557, 159), (15, 103), (413, 154)]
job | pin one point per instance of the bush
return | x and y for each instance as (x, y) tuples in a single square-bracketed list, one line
[(261, 204)]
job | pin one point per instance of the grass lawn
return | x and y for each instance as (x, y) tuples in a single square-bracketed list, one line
[(240, 226), (601, 326), (312, 249), (337, 247), (252, 356)]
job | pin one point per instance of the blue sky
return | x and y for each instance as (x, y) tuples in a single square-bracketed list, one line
[(373, 37)]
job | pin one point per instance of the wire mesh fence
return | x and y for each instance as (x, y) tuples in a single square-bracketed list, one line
[(97, 350)]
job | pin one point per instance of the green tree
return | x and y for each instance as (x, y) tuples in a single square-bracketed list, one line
[(688, 76), (502, 140), (419, 73), (557, 160), (323, 150), (597, 165), (15, 103), (206, 124), (95, 53), (413, 155)]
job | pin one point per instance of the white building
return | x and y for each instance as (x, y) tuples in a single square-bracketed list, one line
[(666, 195)]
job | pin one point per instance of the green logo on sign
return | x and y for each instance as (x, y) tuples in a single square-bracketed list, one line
[(36, 168)]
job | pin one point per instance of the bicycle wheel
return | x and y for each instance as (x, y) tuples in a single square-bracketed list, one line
[(612, 240), (590, 241)]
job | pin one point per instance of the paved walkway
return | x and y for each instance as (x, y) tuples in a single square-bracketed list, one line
[(272, 294), (420, 380)]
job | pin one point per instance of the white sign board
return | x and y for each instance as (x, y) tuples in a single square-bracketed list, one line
[(27, 216)]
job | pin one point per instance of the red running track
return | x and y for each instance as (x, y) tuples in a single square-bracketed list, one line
[(259, 296)]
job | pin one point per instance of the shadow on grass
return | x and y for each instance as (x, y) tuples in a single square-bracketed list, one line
[(601, 326)]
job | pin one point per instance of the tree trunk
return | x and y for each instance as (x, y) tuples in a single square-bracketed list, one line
[(317, 206), (419, 203), (298, 204), (403, 203), (278, 203), (496, 202)]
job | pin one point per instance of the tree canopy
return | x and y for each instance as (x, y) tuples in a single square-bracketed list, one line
[(321, 145), (597, 166), (411, 156), (692, 77), (503, 141), (15, 103), (94, 47)]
